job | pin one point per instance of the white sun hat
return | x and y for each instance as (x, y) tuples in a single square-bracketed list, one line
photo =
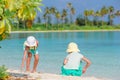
[(31, 41), (72, 47)]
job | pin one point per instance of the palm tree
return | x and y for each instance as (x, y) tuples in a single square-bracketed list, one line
[(27, 11), (111, 15), (97, 15), (46, 16), (52, 12), (2, 27), (47, 10), (64, 15), (39, 19), (117, 13), (2, 23), (72, 13), (58, 16), (86, 14), (103, 12), (91, 13), (16, 9), (69, 5)]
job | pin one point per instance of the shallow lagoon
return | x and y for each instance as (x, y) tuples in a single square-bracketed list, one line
[(102, 48)]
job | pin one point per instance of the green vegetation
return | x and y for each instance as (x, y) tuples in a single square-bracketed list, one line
[(3, 74), (15, 11), (53, 19), (40, 27)]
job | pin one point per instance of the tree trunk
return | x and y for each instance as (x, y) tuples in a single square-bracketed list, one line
[(29, 23)]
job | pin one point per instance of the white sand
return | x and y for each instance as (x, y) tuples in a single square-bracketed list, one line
[(63, 31), (48, 76)]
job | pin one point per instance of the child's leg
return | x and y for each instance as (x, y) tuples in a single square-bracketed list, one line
[(36, 59), (28, 61)]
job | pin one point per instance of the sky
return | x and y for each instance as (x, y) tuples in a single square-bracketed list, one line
[(81, 5)]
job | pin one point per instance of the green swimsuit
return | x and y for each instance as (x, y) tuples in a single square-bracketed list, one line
[(32, 50)]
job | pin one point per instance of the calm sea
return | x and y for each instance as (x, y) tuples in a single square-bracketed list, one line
[(102, 48)]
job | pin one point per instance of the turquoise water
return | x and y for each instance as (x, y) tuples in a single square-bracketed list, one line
[(102, 48)]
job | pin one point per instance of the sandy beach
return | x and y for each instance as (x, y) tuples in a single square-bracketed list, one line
[(17, 74), (64, 31)]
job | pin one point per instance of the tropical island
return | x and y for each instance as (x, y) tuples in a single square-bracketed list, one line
[(26, 18), (53, 19)]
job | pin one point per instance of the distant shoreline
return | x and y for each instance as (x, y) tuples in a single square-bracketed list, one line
[(65, 31)]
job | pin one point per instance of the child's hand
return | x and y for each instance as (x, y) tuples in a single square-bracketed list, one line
[(22, 66), (84, 70)]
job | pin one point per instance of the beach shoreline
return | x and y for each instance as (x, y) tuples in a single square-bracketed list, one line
[(46, 76), (65, 31)]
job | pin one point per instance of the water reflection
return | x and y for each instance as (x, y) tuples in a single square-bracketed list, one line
[(66, 35)]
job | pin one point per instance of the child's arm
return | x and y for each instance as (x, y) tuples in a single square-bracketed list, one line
[(24, 57), (65, 61), (37, 42), (87, 64)]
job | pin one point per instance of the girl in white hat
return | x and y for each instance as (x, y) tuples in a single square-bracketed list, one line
[(30, 48), (71, 65)]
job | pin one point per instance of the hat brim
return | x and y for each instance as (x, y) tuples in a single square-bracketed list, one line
[(28, 44), (72, 50)]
